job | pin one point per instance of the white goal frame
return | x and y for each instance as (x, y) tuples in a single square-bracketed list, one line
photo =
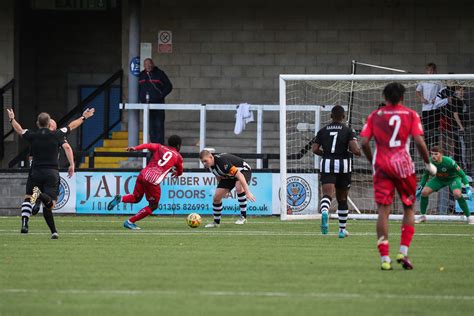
[(283, 153)]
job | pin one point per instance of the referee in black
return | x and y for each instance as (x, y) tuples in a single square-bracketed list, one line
[(44, 176), (89, 112)]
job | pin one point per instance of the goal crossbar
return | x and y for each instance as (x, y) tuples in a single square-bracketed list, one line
[(396, 77)]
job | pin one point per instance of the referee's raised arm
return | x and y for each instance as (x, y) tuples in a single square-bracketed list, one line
[(16, 126), (78, 122)]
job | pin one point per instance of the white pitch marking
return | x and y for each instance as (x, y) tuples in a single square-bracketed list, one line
[(248, 294), (212, 233), (169, 219)]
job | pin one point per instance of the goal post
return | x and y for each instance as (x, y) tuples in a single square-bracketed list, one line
[(304, 192), (305, 103)]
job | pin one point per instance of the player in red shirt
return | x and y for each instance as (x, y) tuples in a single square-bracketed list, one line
[(391, 126), (164, 160)]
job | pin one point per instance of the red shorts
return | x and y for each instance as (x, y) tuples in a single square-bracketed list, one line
[(151, 191), (384, 188)]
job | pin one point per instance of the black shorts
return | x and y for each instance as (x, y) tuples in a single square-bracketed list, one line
[(342, 181), (230, 183), (47, 180)]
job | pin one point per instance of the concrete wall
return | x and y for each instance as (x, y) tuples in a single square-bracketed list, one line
[(7, 44), (12, 191), (234, 51), (6, 41)]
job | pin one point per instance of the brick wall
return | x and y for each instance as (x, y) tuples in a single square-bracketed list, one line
[(234, 52)]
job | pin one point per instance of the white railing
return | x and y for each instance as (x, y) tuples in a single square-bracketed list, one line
[(202, 108)]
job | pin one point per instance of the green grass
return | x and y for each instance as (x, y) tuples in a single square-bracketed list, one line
[(266, 267)]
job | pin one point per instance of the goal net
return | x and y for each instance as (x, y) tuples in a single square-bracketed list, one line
[(305, 105)]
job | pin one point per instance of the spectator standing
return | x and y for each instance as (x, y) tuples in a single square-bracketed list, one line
[(154, 86), (452, 106), (426, 93)]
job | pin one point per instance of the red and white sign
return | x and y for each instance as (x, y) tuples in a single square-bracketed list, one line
[(165, 42)]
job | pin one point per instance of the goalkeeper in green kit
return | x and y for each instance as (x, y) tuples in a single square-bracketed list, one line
[(449, 174)]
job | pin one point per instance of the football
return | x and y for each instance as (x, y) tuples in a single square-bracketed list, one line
[(194, 220)]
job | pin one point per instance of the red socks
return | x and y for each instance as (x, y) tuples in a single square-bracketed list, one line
[(405, 241), (129, 198), (407, 235), (144, 212), (384, 248)]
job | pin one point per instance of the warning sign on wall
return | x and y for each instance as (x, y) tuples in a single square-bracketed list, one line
[(165, 42)]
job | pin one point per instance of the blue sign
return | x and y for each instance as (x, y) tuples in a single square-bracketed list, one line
[(135, 66), (190, 193)]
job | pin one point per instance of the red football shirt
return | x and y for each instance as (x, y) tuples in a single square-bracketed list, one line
[(163, 160), (391, 127)]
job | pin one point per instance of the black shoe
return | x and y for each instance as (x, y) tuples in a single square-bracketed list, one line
[(24, 229), (36, 208), (55, 236), (24, 225)]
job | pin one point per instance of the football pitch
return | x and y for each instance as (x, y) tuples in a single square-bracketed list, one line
[(266, 267)]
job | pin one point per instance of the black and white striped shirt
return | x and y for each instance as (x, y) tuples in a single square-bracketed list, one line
[(227, 166), (334, 140), (329, 165)]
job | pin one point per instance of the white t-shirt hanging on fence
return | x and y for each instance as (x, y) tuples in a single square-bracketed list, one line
[(242, 117), (429, 90)]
